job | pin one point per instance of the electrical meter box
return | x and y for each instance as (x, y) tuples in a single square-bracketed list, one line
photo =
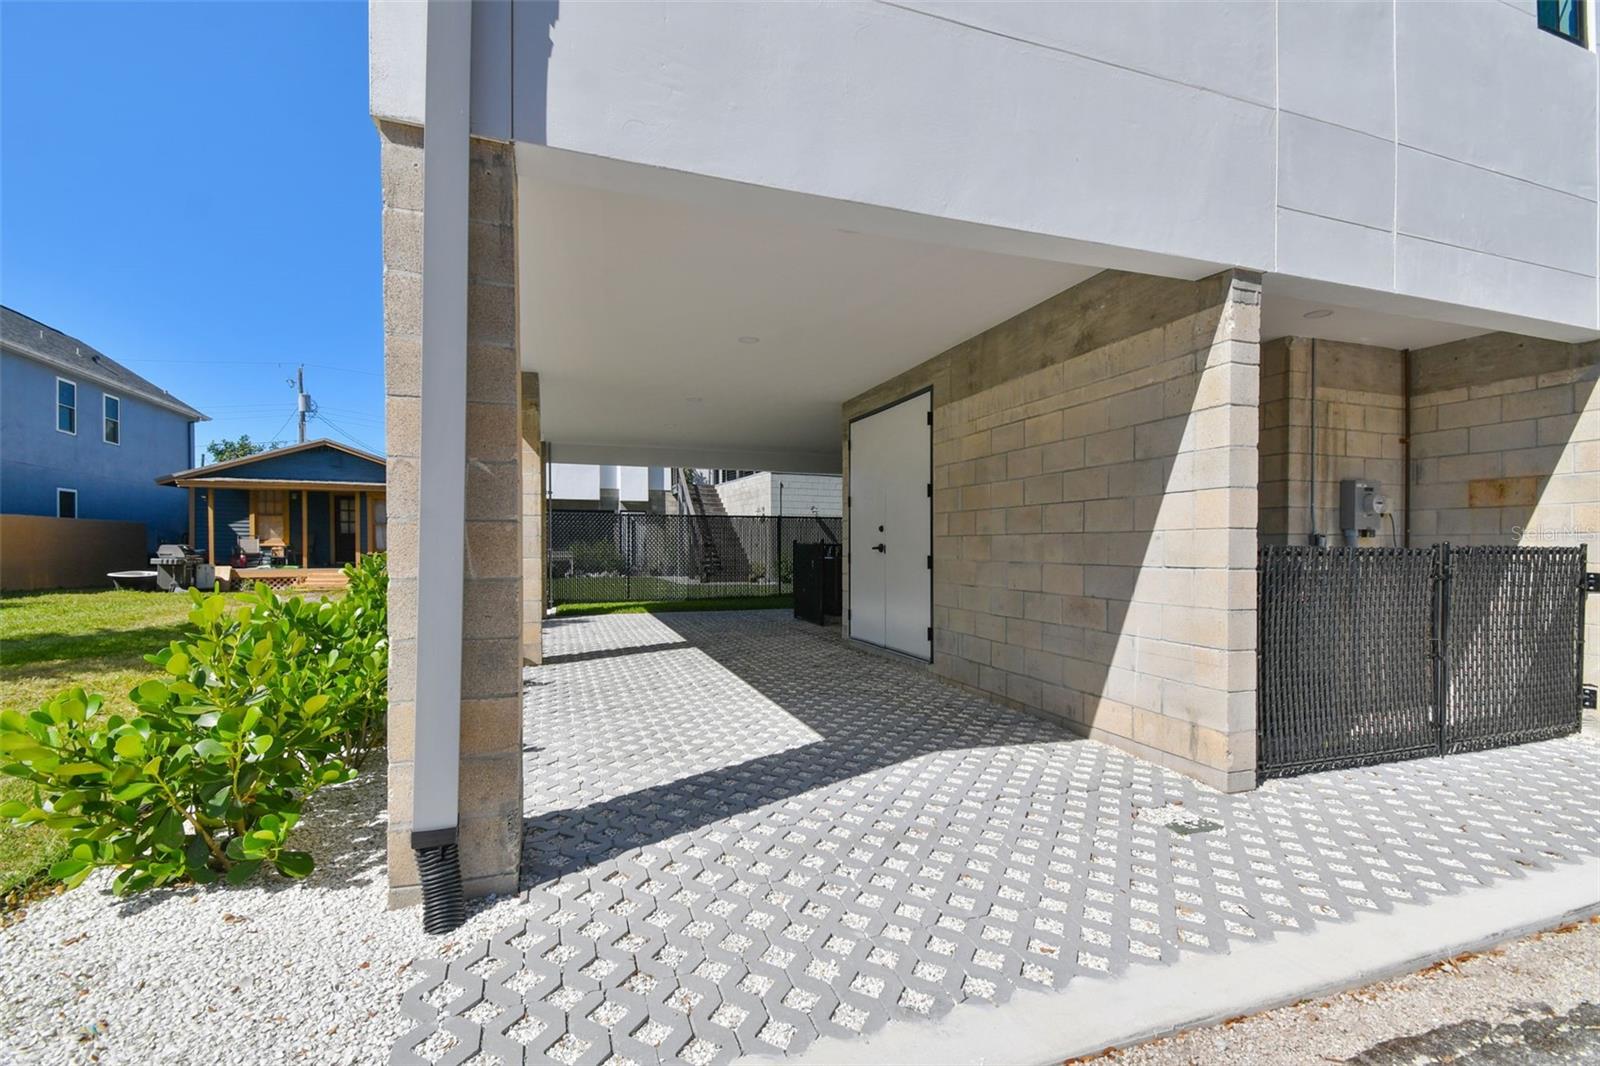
[(1361, 503)]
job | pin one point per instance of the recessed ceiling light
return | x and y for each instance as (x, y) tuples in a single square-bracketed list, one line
[(749, 340), (1321, 312), (694, 399)]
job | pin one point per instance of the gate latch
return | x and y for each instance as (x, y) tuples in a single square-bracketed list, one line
[(1591, 581), (1588, 701)]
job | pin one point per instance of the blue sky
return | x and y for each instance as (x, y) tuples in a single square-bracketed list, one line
[(193, 189)]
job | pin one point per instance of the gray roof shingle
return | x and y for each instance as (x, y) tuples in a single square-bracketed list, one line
[(73, 357)]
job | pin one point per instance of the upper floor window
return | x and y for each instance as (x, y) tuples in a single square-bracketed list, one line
[(112, 433), (66, 406), (66, 503), (1564, 18)]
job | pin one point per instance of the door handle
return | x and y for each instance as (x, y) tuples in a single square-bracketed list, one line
[(879, 548)]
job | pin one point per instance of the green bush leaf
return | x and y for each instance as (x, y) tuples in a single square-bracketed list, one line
[(241, 872), (294, 863), (316, 703), (77, 769), (178, 664), (130, 746)]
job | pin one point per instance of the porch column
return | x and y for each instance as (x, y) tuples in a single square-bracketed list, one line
[(305, 529), (488, 680), (533, 540), (211, 525)]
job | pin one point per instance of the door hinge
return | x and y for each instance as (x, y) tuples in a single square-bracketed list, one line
[(930, 418), (930, 490), (1589, 700), (930, 562), (1591, 581), (930, 634), (847, 500)]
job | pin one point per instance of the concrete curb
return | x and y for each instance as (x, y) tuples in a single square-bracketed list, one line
[(1147, 1002)]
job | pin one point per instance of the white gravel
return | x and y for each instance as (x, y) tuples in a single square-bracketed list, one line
[(274, 971)]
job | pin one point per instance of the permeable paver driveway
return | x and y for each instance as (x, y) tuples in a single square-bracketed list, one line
[(741, 834)]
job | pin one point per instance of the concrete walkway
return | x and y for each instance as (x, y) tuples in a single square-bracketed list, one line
[(747, 840)]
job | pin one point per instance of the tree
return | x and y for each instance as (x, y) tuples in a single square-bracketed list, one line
[(220, 451)]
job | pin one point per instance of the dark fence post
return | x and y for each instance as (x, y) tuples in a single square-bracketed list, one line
[(1441, 639)]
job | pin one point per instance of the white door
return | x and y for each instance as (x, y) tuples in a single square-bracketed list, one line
[(891, 527)]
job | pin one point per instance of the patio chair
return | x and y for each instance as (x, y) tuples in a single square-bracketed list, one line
[(250, 548)]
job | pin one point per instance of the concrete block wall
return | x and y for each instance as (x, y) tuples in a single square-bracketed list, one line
[(1095, 510), (1356, 412), (1506, 449), (801, 494), (490, 831)]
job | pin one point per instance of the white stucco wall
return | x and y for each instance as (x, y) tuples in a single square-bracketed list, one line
[(583, 481), (1438, 151)]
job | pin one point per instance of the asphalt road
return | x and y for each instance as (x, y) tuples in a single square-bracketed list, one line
[(1531, 1002)]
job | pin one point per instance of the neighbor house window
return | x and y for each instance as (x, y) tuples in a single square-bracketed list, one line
[(66, 503), (272, 511), (1564, 18), (66, 406), (112, 409)]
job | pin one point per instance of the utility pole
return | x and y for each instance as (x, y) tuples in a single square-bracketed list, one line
[(302, 401)]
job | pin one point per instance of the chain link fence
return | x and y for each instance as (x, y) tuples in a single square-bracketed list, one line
[(601, 557), (1369, 655)]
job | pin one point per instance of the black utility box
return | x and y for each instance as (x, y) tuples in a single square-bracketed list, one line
[(818, 582)]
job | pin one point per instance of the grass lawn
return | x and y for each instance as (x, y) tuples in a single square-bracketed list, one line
[(644, 588), (56, 640), (726, 603)]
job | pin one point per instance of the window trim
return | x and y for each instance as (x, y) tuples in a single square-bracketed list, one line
[(1580, 21), (59, 490), (73, 432), (106, 398)]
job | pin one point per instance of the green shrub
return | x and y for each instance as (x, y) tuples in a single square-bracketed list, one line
[(785, 570), (595, 557), (258, 707)]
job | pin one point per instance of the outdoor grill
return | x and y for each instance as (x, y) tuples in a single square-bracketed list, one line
[(177, 566)]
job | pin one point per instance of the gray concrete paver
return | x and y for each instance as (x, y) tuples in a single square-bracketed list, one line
[(743, 836)]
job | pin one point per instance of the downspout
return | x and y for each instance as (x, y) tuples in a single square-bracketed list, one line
[(442, 520), (1313, 538), (1405, 447)]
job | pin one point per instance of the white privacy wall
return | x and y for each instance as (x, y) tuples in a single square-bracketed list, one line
[(763, 492), (1443, 151)]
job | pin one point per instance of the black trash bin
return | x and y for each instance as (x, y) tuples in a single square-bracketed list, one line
[(818, 582)]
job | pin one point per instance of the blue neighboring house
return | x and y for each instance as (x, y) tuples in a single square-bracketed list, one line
[(320, 504), (82, 436)]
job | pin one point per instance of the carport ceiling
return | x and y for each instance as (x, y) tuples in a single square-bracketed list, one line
[(684, 333)]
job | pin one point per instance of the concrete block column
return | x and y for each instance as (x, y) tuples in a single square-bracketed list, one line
[(490, 781)]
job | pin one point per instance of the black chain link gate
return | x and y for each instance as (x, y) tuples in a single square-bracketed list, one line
[(1370, 655), (603, 557)]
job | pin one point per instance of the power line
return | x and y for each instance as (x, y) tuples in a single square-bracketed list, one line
[(213, 362), (345, 433)]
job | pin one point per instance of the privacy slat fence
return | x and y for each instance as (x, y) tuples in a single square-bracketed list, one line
[(1369, 655), (604, 557)]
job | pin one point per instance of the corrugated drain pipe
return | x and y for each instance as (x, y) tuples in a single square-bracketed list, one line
[(439, 863)]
